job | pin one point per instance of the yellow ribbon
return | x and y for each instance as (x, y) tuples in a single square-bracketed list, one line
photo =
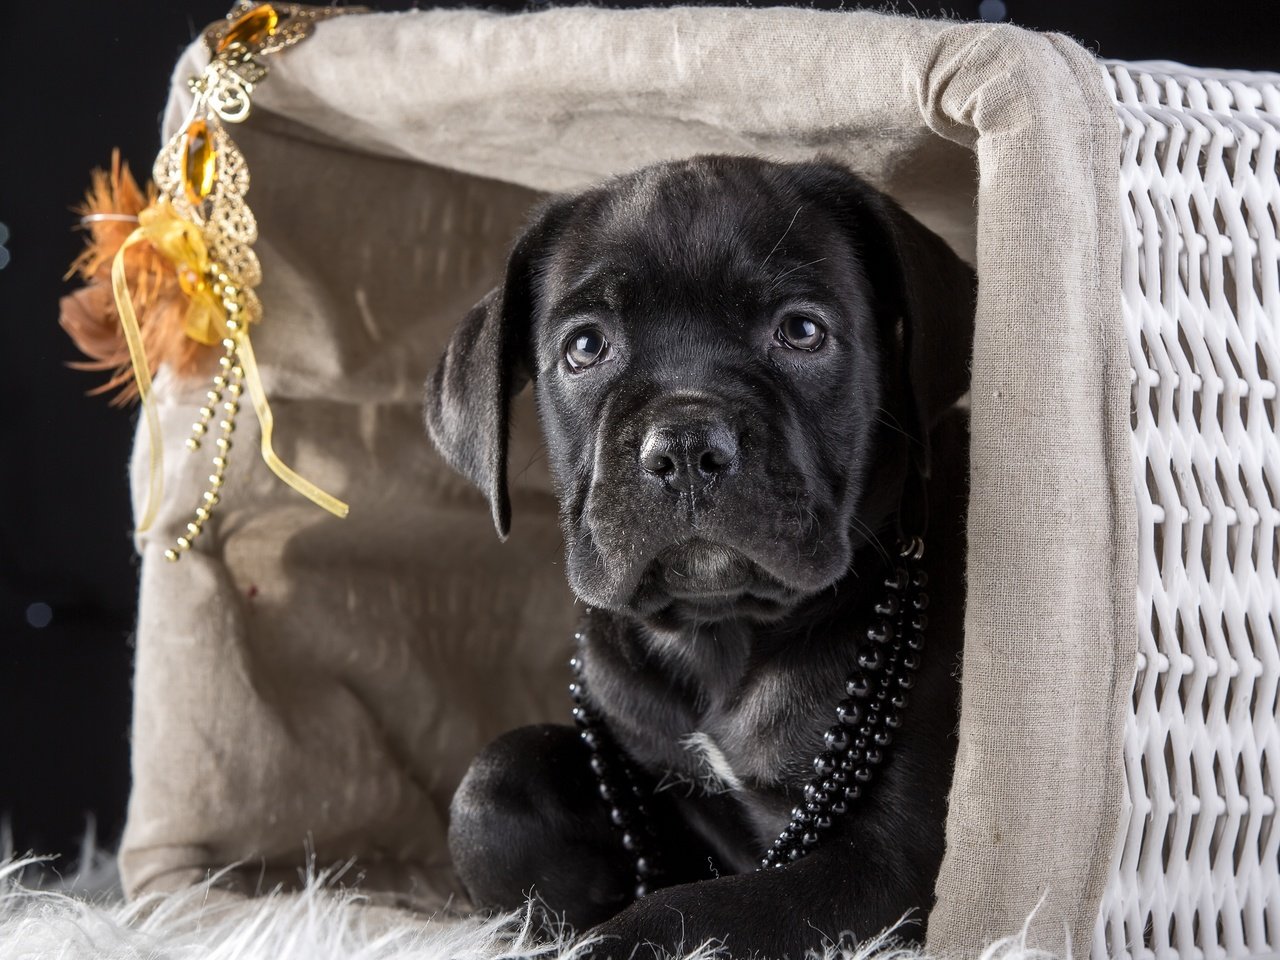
[(177, 242), (137, 356), (180, 242), (259, 397)]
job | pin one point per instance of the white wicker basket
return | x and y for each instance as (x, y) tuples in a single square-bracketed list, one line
[(1196, 871)]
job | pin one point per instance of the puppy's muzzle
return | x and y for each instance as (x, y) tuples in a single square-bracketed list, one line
[(688, 447)]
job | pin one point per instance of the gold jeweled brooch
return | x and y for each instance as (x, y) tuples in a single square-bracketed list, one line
[(182, 270)]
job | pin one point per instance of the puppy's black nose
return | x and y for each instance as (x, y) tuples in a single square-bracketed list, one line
[(687, 456)]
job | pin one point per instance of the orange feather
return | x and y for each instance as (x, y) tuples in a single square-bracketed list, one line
[(89, 315)]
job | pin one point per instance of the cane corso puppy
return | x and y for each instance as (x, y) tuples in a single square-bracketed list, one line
[(744, 372)]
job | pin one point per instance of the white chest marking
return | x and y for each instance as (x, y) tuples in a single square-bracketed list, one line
[(715, 775)]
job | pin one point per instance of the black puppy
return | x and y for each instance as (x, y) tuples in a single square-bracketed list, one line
[(742, 369)]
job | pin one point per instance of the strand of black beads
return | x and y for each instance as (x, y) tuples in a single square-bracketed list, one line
[(876, 696), (617, 783)]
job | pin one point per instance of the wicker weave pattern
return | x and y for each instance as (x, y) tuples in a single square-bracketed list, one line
[(1195, 870)]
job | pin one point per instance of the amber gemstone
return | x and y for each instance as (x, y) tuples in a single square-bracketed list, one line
[(199, 168), (251, 28), (192, 283)]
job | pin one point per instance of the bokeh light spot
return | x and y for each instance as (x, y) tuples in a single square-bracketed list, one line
[(39, 615), (992, 11)]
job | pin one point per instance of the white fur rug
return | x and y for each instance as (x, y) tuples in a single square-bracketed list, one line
[(82, 917)]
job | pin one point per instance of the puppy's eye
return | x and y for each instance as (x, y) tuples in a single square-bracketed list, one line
[(586, 348), (801, 332)]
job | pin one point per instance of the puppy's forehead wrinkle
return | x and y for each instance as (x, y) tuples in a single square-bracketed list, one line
[(726, 264), (579, 284), (596, 279), (687, 211)]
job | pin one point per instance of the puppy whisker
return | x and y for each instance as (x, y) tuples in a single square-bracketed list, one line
[(765, 261), (539, 454), (782, 276), (871, 537), (890, 421)]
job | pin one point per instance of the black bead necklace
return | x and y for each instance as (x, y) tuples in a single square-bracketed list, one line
[(866, 721), (870, 713), (618, 783)]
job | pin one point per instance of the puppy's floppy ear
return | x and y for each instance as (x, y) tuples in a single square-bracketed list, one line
[(486, 363), (918, 281)]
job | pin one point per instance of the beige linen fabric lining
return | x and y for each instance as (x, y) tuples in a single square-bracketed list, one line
[(305, 683)]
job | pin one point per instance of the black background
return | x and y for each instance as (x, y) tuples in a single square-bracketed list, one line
[(77, 80)]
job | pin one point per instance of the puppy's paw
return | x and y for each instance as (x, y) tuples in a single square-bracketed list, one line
[(649, 929)]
